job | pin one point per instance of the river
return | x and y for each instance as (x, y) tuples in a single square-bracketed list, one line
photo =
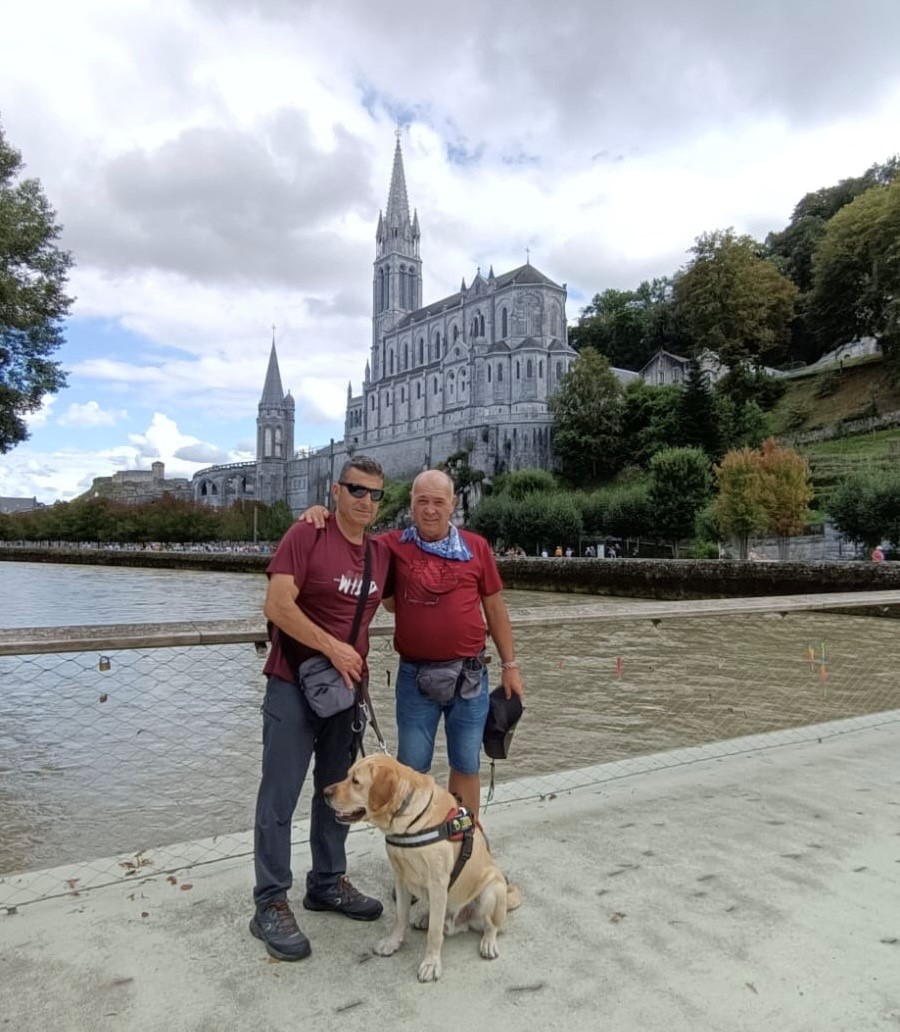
[(164, 746)]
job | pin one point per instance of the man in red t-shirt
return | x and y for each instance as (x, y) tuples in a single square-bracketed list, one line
[(446, 584), (315, 579)]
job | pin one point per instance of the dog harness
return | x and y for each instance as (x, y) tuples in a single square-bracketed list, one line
[(459, 826)]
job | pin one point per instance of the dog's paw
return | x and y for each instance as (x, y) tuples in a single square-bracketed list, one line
[(430, 969), (488, 948), (387, 946), (420, 921)]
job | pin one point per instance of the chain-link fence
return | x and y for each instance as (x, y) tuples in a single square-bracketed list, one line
[(149, 756)]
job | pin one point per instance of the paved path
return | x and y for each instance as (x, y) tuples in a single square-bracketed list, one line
[(757, 891)]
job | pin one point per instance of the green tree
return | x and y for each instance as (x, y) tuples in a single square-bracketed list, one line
[(277, 519), (33, 302), (740, 507), (856, 284), (522, 482), (587, 411), (629, 513), (680, 486), (614, 324), (698, 417), (650, 420), (867, 508), (733, 301)]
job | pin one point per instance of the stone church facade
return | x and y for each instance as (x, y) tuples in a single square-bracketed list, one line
[(470, 373)]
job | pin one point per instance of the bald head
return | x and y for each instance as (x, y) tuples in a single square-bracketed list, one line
[(432, 480), (432, 503)]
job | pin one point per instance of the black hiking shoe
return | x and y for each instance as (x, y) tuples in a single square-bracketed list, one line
[(275, 924), (344, 899)]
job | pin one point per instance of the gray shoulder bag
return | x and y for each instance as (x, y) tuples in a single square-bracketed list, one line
[(321, 683)]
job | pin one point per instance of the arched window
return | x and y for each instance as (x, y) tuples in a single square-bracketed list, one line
[(380, 299), (462, 380), (455, 333), (421, 350), (504, 323), (541, 369), (529, 369), (406, 356), (489, 372), (499, 374), (475, 326), (403, 286), (437, 344), (481, 324), (518, 369), (558, 370), (267, 443), (391, 362), (451, 385), (278, 442), (418, 391), (372, 403), (435, 385), (402, 394)]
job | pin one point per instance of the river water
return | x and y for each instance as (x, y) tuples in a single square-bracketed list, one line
[(164, 745)]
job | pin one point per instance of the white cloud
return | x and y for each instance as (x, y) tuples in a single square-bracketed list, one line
[(218, 164), (90, 414)]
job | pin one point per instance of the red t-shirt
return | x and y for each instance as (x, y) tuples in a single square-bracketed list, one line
[(438, 601), (328, 570)]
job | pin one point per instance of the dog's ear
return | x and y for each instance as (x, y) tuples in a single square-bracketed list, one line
[(384, 786)]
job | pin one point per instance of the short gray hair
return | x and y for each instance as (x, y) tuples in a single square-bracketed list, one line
[(364, 464)]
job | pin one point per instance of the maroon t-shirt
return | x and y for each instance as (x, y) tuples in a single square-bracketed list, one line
[(438, 601), (328, 571)]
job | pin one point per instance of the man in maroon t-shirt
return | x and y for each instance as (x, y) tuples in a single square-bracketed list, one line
[(315, 579)]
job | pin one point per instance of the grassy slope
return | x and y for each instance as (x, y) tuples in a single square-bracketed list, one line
[(833, 460)]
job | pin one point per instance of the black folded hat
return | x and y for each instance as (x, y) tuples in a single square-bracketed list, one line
[(503, 716)]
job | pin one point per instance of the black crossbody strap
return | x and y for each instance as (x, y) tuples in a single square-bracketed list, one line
[(363, 595)]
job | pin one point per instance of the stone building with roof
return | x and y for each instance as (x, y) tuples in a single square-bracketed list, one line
[(470, 373)]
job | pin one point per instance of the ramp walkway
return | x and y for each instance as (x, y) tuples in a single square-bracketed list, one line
[(757, 891)]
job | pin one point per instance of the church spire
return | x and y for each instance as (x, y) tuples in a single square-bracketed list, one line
[(398, 203), (273, 392)]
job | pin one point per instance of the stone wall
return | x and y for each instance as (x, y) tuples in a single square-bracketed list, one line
[(686, 578), (629, 578)]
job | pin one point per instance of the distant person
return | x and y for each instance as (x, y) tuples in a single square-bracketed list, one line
[(544, 553), (312, 605), (569, 552), (877, 554), (557, 552), (589, 552), (612, 553)]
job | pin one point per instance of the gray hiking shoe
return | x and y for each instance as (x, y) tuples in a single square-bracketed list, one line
[(276, 925)]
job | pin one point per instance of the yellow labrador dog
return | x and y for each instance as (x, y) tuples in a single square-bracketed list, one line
[(409, 806)]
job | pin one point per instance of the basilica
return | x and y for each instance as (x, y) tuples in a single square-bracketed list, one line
[(470, 373)]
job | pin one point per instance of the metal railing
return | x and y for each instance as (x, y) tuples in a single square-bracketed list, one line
[(139, 744)]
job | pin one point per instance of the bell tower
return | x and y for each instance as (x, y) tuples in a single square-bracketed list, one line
[(397, 282)]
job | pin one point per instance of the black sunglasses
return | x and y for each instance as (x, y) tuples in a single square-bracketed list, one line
[(358, 491)]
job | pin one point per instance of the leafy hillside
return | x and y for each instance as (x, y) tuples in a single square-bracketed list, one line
[(834, 397)]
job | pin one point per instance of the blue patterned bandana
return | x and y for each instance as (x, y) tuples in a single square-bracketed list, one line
[(450, 547)]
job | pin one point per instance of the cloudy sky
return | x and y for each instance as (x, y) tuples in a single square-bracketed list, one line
[(219, 165)]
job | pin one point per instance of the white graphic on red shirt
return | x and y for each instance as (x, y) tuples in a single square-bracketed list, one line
[(351, 584)]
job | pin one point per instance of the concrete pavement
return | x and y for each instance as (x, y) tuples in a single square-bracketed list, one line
[(755, 891)]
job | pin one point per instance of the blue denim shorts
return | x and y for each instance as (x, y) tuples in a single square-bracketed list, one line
[(418, 719)]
